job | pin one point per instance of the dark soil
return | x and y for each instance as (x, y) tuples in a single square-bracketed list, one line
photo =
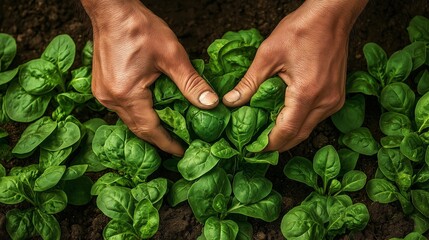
[(197, 23)]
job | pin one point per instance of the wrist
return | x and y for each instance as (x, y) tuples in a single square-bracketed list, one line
[(341, 13), (113, 14)]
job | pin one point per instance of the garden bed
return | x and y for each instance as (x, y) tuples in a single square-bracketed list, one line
[(197, 24)]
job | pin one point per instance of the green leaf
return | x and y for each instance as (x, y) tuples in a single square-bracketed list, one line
[(81, 79), (362, 82), (7, 76), (215, 228), (74, 172), (398, 97), (176, 122), (87, 53), (417, 51), (178, 193), (61, 51), (356, 216), (203, 191), (262, 141), (348, 160), (268, 209), (413, 147), (8, 47), (154, 190), (361, 140), (197, 160), (351, 115), (78, 190), (46, 225), (222, 149), (118, 229), (301, 169), (21, 106), (271, 158), (11, 190), (39, 77), (353, 181), (421, 113), (392, 162), (146, 219), (270, 94), (381, 190), (422, 80), (65, 135), (34, 135), (418, 29), (165, 91), (376, 59), (109, 179), (49, 178), (53, 158), (421, 222), (245, 123), (250, 188), (208, 124), (394, 124), (117, 203), (52, 201), (420, 198), (19, 223), (326, 163), (141, 159), (399, 67), (245, 231), (302, 223)]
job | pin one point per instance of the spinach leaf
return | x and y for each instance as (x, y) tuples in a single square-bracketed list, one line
[(61, 51), (208, 124), (197, 160), (176, 122), (376, 60), (245, 123), (39, 77), (21, 106), (8, 46), (34, 135)]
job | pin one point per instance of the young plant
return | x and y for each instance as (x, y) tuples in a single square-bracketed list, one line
[(48, 191), (402, 173), (126, 195), (328, 211)]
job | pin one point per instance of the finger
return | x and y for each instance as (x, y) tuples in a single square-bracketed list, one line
[(288, 123), (313, 119), (190, 83), (144, 122), (261, 68)]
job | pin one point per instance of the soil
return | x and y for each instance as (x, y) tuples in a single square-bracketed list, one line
[(197, 23)]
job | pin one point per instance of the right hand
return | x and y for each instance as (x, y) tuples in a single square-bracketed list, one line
[(132, 47)]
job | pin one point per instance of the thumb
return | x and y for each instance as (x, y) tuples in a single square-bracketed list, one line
[(257, 73), (193, 86)]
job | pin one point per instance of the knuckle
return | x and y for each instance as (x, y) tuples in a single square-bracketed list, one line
[(248, 82), (192, 83)]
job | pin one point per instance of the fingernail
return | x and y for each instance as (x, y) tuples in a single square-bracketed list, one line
[(232, 96), (208, 98)]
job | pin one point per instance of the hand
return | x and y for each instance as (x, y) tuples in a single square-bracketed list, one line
[(132, 47), (308, 50)]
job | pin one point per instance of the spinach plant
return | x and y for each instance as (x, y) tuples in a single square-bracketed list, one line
[(127, 195), (402, 173), (224, 144), (328, 211), (48, 191)]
